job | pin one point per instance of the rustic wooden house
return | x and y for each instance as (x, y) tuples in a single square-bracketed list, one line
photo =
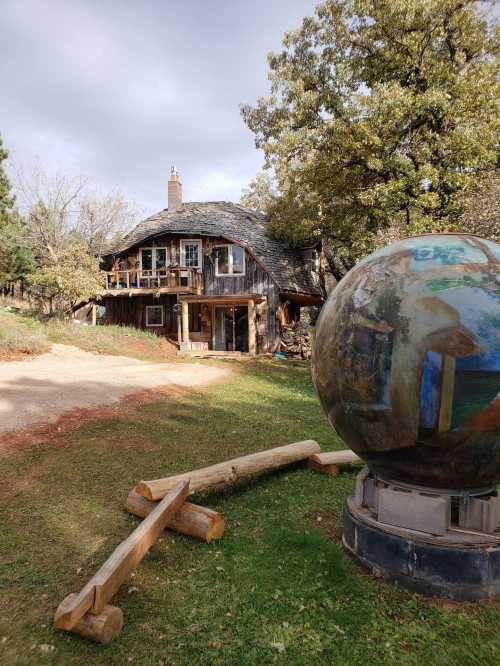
[(208, 276)]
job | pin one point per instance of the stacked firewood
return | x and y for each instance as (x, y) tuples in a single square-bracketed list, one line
[(296, 340)]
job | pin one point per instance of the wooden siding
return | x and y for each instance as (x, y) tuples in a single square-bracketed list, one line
[(132, 312), (255, 281)]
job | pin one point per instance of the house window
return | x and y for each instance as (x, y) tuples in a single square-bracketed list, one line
[(191, 255), (154, 315), (229, 260), (153, 259)]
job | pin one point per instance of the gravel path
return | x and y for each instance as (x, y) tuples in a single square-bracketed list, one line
[(42, 389)]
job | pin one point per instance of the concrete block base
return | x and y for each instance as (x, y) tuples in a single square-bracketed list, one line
[(457, 566)]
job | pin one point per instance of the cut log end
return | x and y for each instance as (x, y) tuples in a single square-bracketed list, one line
[(101, 628), (191, 519), (142, 488), (216, 531), (331, 470)]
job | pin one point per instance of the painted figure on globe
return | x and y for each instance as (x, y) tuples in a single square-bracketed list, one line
[(407, 361)]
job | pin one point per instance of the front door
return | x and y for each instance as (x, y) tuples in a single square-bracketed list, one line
[(231, 328)]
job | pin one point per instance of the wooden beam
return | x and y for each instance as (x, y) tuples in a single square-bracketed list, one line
[(231, 470), (191, 519), (94, 314), (226, 299), (330, 462), (185, 320), (252, 333), (118, 567)]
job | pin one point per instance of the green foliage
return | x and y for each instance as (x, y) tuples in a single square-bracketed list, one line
[(260, 195), (379, 114), (71, 277), (16, 258), (6, 198)]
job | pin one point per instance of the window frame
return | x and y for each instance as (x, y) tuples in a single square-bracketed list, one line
[(153, 249), (151, 307), (230, 261), (192, 241)]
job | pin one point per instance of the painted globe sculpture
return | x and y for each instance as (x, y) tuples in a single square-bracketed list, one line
[(406, 361)]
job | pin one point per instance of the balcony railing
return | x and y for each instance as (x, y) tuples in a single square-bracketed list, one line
[(173, 278)]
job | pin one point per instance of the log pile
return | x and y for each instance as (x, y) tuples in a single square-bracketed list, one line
[(296, 340), (162, 504)]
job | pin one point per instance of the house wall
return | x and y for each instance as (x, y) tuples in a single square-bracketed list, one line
[(255, 281), (132, 312)]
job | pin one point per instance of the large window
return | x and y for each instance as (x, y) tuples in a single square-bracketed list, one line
[(229, 260), (154, 315), (153, 258), (191, 255)]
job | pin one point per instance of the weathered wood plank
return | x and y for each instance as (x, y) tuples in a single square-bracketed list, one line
[(231, 470), (191, 519), (118, 567)]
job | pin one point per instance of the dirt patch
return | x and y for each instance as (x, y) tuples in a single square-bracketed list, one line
[(57, 433), (44, 389), (6, 356)]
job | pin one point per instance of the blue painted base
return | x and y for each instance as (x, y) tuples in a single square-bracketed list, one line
[(460, 572)]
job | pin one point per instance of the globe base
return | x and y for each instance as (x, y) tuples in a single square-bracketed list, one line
[(417, 538)]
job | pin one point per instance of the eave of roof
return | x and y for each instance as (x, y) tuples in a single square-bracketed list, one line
[(237, 224)]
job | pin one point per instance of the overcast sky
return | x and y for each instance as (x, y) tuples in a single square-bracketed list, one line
[(119, 90)]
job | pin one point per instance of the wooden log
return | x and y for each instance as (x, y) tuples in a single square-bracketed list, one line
[(118, 567), (101, 628), (330, 462), (231, 470), (191, 519)]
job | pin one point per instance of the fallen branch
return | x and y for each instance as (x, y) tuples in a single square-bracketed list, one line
[(231, 470), (191, 519), (118, 567)]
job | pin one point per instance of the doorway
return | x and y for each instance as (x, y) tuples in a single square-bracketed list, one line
[(231, 328)]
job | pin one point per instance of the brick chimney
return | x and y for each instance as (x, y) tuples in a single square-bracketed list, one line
[(174, 191)]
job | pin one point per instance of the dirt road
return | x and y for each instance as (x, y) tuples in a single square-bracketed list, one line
[(44, 388)]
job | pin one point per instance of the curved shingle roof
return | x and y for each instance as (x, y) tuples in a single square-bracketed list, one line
[(231, 221)]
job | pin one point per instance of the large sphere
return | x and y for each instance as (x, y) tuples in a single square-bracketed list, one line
[(406, 361)]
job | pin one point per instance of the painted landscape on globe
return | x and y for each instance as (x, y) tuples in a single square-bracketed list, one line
[(414, 358)]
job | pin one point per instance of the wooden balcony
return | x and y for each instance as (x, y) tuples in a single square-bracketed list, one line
[(171, 280)]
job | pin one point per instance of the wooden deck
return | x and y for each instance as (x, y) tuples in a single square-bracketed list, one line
[(170, 280)]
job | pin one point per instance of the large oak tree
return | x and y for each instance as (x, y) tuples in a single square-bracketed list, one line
[(380, 114)]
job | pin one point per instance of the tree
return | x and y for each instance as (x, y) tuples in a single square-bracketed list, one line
[(16, 259), (75, 277), (6, 197), (480, 215), (380, 114), (260, 195), (68, 227)]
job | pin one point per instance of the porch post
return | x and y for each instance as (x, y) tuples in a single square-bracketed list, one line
[(185, 321), (252, 342)]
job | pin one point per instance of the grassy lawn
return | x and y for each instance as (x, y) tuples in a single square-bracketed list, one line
[(278, 588), (22, 334)]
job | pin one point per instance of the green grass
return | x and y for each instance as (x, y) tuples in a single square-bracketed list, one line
[(18, 338), (22, 333), (278, 588)]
